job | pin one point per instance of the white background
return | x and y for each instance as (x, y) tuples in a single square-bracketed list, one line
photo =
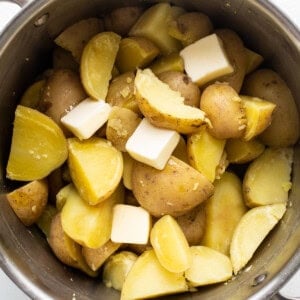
[(9, 291)]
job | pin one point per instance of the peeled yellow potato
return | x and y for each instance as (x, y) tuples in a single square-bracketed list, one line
[(148, 278), (258, 115), (97, 62), (38, 146), (208, 267), (127, 170), (253, 227), (44, 221), (164, 107), (32, 95), (204, 160), (96, 168), (170, 245), (171, 62), (223, 211), (268, 178), (88, 225), (253, 60)]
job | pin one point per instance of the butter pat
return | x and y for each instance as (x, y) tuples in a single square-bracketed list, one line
[(206, 60), (86, 118), (152, 145), (131, 224)]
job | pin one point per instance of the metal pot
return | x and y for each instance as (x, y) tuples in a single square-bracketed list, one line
[(25, 47)]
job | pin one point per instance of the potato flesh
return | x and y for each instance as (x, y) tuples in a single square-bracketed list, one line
[(32, 95), (268, 178), (171, 62), (253, 60)]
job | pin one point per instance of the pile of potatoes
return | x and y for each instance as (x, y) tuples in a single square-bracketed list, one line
[(213, 218)]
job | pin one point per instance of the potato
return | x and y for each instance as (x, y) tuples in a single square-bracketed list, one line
[(215, 267), (121, 92), (139, 283), (90, 226), (65, 249), (174, 190), (253, 60), (251, 230), (138, 248), (223, 211), (63, 59), (224, 109), (55, 183), (121, 124), (170, 245), (235, 51), (241, 152), (45, 219), (29, 201), (153, 25), (127, 170), (90, 160), (63, 91), (121, 19), (75, 37), (181, 83), (32, 95), (38, 146), (192, 224), (164, 107), (171, 62), (200, 158), (135, 52), (268, 85), (190, 27), (268, 177), (95, 258), (117, 268), (62, 196), (181, 150)]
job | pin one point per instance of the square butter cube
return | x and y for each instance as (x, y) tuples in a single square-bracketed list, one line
[(206, 60), (152, 145), (131, 224), (87, 117)]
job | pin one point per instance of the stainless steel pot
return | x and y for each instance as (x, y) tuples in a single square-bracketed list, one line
[(24, 51)]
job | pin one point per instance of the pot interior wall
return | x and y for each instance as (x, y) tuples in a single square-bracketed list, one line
[(25, 51)]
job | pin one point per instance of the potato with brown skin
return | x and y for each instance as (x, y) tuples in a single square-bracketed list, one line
[(236, 53), (224, 109), (120, 20), (63, 90), (121, 124), (29, 201), (180, 82), (268, 85), (175, 190), (193, 224)]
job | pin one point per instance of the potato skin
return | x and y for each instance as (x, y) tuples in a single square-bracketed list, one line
[(268, 85), (181, 83), (224, 109), (175, 190)]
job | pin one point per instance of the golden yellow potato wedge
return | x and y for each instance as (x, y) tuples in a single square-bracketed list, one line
[(241, 152), (127, 170), (32, 96), (208, 267), (268, 178), (252, 229), (171, 62), (38, 146), (164, 107), (253, 60), (29, 201), (88, 225), (153, 25), (258, 115), (204, 160), (44, 221), (148, 278), (116, 269), (95, 258), (96, 168), (62, 196), (65, 249), (135, 52), (75, 37), (170, 245), (181, 150), (97, 62), (223, 212)]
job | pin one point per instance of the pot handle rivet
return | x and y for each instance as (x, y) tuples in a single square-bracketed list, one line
[(259, 279), (41, 20)]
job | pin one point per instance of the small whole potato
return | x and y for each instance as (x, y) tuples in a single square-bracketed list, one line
[(224, 109), (175, 190), (181, 83), (284, 128)]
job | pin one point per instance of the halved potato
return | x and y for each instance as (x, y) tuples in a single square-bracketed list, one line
[(44, 221), (96, 168), (171, 62), (181, 150), (252, 229), (32, 95), (254, 59), (127, 170), (164, 107)]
